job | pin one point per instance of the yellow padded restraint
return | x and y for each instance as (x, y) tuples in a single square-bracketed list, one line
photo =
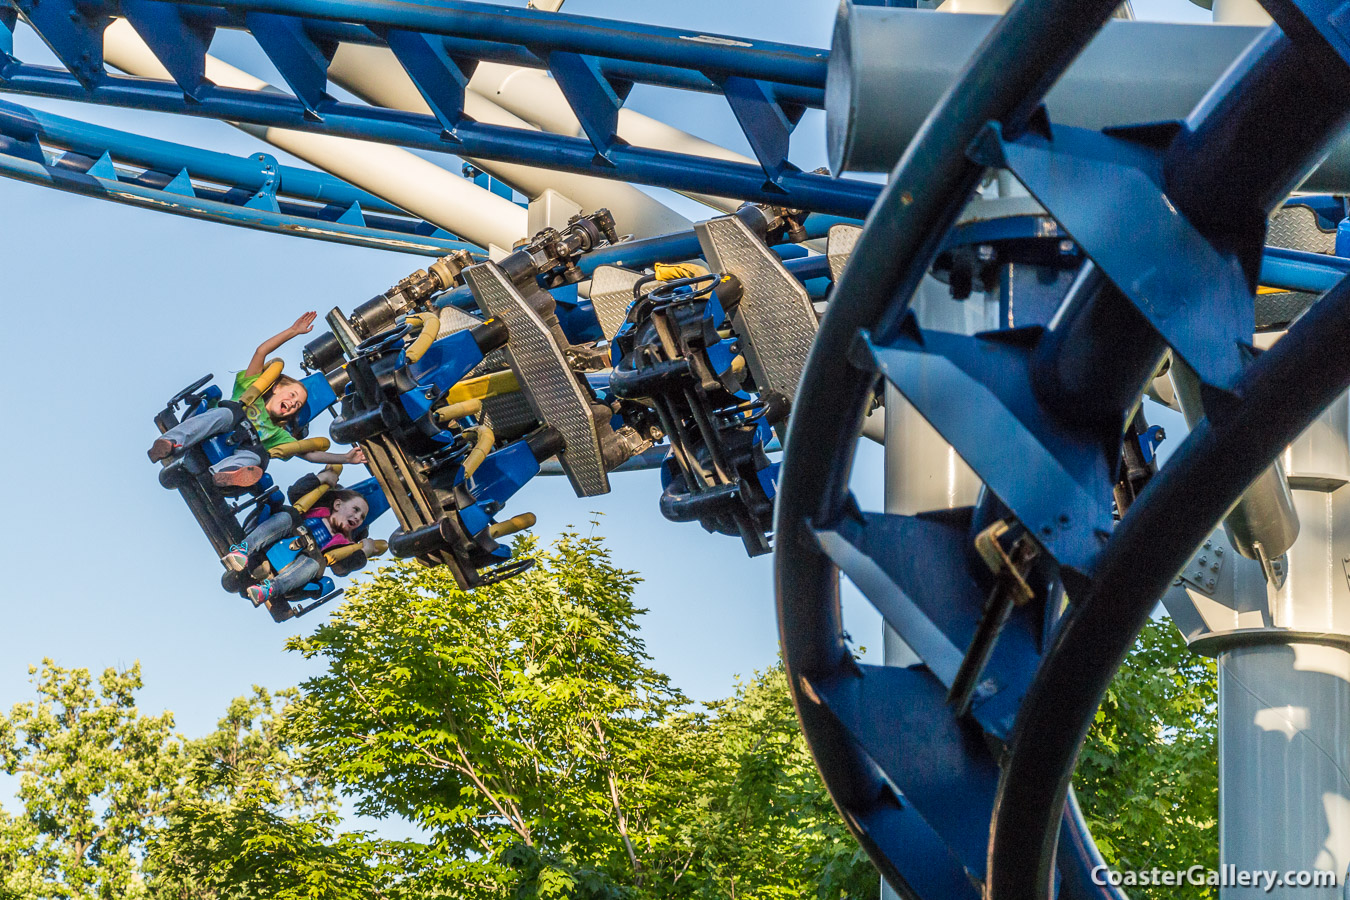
[(672, 271), (306, 503), (268, 377), (430, 325), (484, 439), (295, 448), (511, 525), (483, 386)]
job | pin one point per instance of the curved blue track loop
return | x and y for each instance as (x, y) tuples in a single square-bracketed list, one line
[(939, 811)]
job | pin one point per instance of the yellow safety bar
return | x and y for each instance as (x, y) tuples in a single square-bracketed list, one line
[(459, 410), (306, 503), (672, 271), (483, 386), (295, 448), (484, 439), (333, 557), (511, 525), (430, 329), (268, 377)]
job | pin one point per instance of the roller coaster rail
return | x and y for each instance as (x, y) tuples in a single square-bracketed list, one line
[(768, 86), (953, 773)]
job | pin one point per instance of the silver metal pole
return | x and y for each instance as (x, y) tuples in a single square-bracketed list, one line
[(1283, 652)]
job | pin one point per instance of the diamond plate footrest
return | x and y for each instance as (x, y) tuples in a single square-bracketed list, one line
[(775, 317), (839, 246), (545, 377), (612, 294)]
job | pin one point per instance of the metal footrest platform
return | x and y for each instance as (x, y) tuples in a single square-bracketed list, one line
[(839, 247), (775, 315), (612, 294), (545, 377)]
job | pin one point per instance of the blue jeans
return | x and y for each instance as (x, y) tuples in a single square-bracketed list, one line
[(299, 572), (195, 429)]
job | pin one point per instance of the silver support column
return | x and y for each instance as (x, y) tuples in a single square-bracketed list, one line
[(1284, 679)]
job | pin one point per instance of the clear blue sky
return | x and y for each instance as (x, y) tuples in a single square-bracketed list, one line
[(111, 309)]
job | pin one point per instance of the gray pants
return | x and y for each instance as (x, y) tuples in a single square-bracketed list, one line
[(195, 429), (300, 572)]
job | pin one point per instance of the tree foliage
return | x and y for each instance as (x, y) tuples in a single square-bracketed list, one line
[(92, 773), (524, 730), (749, 816), (523, 726), (246, 820), (1147, 778)]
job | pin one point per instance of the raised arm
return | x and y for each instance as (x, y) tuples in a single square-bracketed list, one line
[(303, 325)]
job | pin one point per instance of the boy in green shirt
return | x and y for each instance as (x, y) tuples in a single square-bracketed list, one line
[(269, 414)]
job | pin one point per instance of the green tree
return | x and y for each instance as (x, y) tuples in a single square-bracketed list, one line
[(513, 715), (93, 774), (249, 821), (749, 815), (1147, 778), (524, 728)]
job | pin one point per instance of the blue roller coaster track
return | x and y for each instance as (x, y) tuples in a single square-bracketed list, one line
[(954, 774)]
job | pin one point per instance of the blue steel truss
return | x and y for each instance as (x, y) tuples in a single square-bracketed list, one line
[(596, 63), (253, 192)]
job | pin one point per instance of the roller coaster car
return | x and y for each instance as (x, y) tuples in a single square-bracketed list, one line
[(406, 407), (218, 510), (675, 355)]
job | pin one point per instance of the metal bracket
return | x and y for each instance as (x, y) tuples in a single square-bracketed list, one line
[(595, 98), (1325, 21), (181, 184), (300, 59), (767, 123), (1001, 562), (1149, 442), (440, 78), (1168, 268), (266, 195), (76, 41), (180, 47), (9, 17), (1204, 567)]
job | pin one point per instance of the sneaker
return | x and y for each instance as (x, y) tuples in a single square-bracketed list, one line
[(237, 559), (162, 449), (261, 593), (244, 476)]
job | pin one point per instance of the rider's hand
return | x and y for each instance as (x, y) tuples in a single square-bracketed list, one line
[(304, 324), (356, 456), (370, 548)]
